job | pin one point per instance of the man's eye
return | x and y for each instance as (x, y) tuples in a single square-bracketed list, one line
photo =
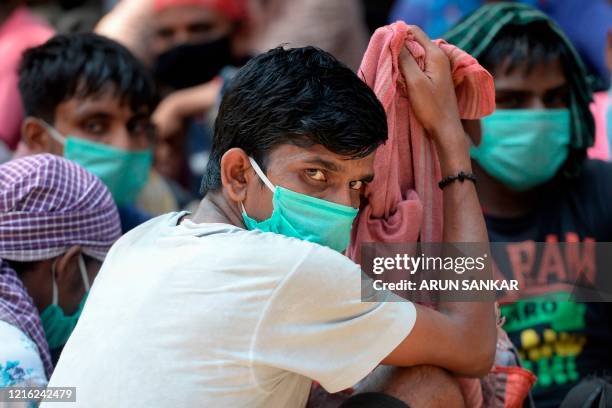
[(509, 102), (95, 127), (142, 128), (165, 33), (356, 185), (556, 100), (200, 28), (315, 174)]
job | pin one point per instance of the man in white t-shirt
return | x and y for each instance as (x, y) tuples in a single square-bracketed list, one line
[(249, 300)]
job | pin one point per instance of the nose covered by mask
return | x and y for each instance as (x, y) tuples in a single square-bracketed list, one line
[(189, 65), (523, 148), (304, 217), (124, 172), (57, 326)]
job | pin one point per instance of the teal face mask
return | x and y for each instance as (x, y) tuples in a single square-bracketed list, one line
[(304, 217), (58, 327), (523, 148), (124, 172)]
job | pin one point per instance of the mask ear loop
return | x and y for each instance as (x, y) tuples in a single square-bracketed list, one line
[(84, 276), (54, 284), (57, 136), (261, 174), (263, 178)]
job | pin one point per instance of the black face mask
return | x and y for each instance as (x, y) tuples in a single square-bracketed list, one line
[(188, 65)]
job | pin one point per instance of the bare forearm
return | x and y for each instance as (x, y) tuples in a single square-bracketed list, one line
[(464, 223), (464, 331), (463, 220), (189, 102)]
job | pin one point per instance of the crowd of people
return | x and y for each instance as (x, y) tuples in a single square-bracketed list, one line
[(185, 186)]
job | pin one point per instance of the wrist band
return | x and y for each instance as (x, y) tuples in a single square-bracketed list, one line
[(462, 176)]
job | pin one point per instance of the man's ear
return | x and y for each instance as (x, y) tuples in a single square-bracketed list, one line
[(235, 174), (36, 137), (473, 129), (67, 266)]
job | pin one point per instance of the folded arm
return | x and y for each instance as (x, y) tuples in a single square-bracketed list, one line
[(459, 336)]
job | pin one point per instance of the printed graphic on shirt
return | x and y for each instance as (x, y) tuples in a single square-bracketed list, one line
[(561, 341), (536, 266), (551, 336)]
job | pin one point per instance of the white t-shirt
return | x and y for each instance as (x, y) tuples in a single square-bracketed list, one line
[(212, 315)]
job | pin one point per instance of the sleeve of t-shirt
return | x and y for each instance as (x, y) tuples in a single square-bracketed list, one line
[(316, 324), (20, 363)]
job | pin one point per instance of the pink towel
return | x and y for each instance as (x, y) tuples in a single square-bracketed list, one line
[(404, 202)]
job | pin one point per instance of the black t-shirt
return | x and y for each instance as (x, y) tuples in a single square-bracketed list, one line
[(561, 342)]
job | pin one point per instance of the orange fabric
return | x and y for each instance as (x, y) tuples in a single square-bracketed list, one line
[(517, 385), (404, 202)]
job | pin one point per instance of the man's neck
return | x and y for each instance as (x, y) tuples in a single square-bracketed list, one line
[(215, 208), (498, 200)]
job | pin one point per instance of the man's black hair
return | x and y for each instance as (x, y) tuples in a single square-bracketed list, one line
[(523, 46), (81, 65), (299, 96)]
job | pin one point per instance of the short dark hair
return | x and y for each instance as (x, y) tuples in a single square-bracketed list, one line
[(300, 96), (525, 46), (81, 65)]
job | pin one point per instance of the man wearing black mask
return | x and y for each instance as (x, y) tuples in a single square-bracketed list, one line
[(193, 41)]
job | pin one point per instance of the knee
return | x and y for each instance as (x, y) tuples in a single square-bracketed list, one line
[(426, 386)]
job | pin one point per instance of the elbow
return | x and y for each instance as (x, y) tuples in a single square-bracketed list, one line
[(483, 363), (481, 357)]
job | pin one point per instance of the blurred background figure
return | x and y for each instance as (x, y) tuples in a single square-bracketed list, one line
[(128, 23), (19, 30), (69, 16), (585, 23), (536, 184), (434, 16), (338, 26), (57, 222), (195, 47)]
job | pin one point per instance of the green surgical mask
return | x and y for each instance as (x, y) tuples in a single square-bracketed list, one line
[(124, 172), (58, 327), (304, 217), (523, 148)]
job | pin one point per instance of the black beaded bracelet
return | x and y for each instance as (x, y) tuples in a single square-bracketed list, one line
[(461, 177)]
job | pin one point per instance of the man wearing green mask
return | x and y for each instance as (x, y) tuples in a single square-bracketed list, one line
[(88, 99), (536, 185), (249, 300), (57, 222)]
